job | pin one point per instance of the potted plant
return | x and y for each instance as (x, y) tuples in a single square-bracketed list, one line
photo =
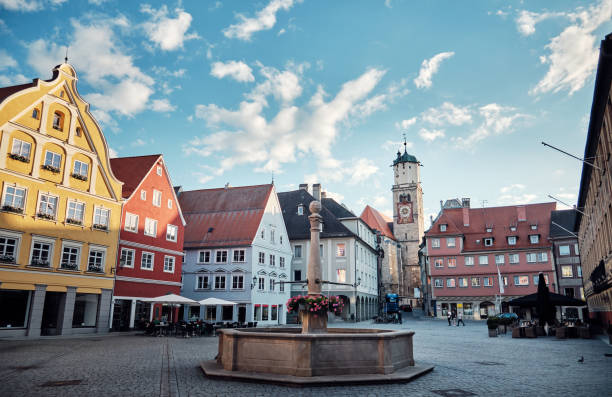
[(19, 157), (492, 323)]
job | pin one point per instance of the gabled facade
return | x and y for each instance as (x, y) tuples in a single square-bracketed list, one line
[(60, 211), (466, 247), (150, 251), (236, 249), (347, 248)]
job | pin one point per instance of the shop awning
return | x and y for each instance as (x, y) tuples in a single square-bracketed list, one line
[(555, 299)]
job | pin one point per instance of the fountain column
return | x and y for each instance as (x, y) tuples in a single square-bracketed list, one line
[(314, 323)]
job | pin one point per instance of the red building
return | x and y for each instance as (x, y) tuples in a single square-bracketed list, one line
[(466, 247), (150, 241)]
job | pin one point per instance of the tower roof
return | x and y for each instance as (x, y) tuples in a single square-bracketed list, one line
[(404, 158)]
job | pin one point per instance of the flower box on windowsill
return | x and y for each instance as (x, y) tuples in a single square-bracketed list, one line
[(48, 217), (7, 260), (10, 208), (69, 266), (100, 227), (95, 269), (19, 157), (51, 168), (79, 176), (74, 222), (39, 263)]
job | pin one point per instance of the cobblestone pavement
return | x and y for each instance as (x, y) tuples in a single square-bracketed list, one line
[(465, 359)]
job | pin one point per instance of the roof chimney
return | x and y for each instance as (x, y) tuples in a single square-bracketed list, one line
[(465, 202), (521, 214), (316, 191), (227, 185), (304, 186), (441, 205), (323, 195), (466, 216)]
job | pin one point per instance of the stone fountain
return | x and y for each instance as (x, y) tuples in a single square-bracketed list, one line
[(314, 354)]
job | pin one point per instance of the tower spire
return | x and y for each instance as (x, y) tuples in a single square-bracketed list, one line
[(405, 149), (66, 57)]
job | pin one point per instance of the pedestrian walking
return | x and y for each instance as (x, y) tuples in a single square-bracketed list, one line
[(449, 316), (454, 317), (460, 319), (399, 315)]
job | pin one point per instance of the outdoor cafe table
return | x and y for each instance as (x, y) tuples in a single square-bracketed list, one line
[(161, 329)]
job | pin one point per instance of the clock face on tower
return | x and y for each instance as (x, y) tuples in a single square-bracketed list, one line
[(404, 211)]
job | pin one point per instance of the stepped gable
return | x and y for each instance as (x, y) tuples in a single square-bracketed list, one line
[(132, 170), (377, 221), (223, 217), (298, 226)]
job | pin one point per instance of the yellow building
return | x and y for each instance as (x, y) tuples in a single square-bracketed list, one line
[(60, 211)]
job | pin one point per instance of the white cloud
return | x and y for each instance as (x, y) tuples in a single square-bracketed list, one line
[(333, 195), (284, 85), (405, 124), (396, 145), (265, 19), (447, 114), (162, 105), (430, 135), (21, 5), (496, 120), (237, 70), (361, 170), (573, 53), (139, 142), (281, 32), (514, 194), (166, 32), (97, 2), (388, 3), (526, 20), (515, 186), (429, 67), (13, 79), (6, 61)]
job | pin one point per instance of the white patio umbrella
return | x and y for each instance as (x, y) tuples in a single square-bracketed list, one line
[(216, 302), (172, 299)]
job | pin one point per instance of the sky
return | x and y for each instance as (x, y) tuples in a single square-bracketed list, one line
[(307, 91)]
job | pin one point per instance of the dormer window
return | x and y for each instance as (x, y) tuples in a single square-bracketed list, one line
[(513, 228), (300, 209), (159, 170), (534, 227), (511, 240), (443, 227), (489, 229), (58, 121), (35, 113), (488, 242), (534, 238)]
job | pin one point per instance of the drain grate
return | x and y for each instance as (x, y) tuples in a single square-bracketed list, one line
[(56, 383), (488, 363), (454, 393)]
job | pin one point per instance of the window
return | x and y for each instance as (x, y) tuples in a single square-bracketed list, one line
[(264, 313), (219, 282), (513, 258), (47, 207), (78, 131), (280, 239), (85, 310), (76, 211), (16, 305), (505, 280), (487, 281), (58, 120), (150, 227), (536, 279), (261, 284), (169, 204), (489, 230), (435, 243), (438, 283), (169, 264), (483, 260), (300, 210), (281, 286), (542, 257), (340, 250), (462, 282), (341, 275), (204, 257), (450, 283), (81, 169), (564, 250), (203, 282), (511, 240), (146, 262), (271, 284), (534, 227), (475, 282), (452, 262), (157, 198), (513, 228), (171, 233), (443, 227), (21, 149), (14, 199), (262, 258), (297, 275), (321, 250), (41, 253), (8, 249), (521, 280), (95, 263), (53, 161), (579, 270), (221, 256), (274, 313), (567, 271), (143, 195), (238, 281), (272, 232), (488, 242), (272, 260), (534, 238), (469, 261), (127, 257), (159, 170), (450, 242), (131, 222), (531, 258), (576, 249), (499, 259), (282, 262), (439, 262), (101, 216), (35, 113), (239, 255), (263, 233), (70, 257)]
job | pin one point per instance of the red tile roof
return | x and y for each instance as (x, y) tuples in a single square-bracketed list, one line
[(132, 170), (377, 221), (5, 92), (223, 217), (499, 219)]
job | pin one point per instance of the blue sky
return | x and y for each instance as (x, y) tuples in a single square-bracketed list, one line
[(322, 91)]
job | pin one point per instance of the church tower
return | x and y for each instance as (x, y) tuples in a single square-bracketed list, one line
[(408, 223)]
